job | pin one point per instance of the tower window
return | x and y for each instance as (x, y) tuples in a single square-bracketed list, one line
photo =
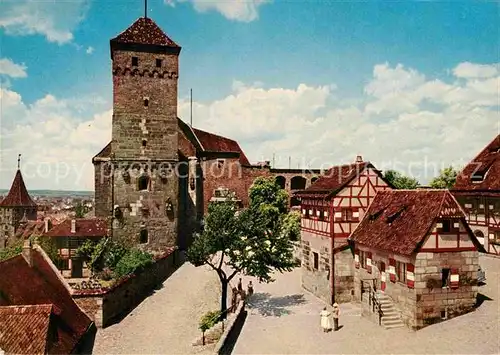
[(143, 183), (144, 142), (143, 236), (158, 63), (146, 102), (135, 61)]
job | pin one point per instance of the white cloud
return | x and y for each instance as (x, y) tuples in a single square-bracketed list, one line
[(55, 20), (470, 70), (405, 121), (89, 50), (56, 141), (9, 68), (236, 10)]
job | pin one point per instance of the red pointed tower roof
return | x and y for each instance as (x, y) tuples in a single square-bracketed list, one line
[(145, 31), (18, 196)]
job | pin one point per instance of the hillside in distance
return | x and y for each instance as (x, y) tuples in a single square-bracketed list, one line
[(55, 193)]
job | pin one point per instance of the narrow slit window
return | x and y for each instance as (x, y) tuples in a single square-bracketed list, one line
[(316, 261), (135, 61), (143, 236), (146, 102), (158, 63), (445, 277), (144, 142)]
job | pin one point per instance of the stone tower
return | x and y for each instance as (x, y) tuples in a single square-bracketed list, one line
[(15, 208), (144, 147)]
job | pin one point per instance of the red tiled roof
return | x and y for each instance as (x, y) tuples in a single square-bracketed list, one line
[(398, 220), (200, 140), (215, 143), (40, 284), (93, 227), (31, 228), (24, 329), (145, 31), (335, 179), (487, 164), (18, 195)]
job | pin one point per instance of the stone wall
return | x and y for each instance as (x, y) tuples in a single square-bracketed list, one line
[(105, 306), (343, 276), (316, 281), (431, 301)]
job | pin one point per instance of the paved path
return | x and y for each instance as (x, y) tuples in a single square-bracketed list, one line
[(285, 320), (167, 321)]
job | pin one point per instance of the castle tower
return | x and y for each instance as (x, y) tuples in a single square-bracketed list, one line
[(144, 146), (16, 207)]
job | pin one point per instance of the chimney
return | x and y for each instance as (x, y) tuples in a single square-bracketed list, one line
[(73, 226), (47, 226), (359, 159), (28, 252)]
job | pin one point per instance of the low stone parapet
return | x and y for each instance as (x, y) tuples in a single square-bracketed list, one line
[(110, 304)]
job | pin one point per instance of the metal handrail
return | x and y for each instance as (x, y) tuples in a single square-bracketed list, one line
[(372, 298)]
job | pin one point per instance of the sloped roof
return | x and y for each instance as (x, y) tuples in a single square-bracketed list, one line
[(215, 143), (92, 227), (335, 178), (31, 228), (24, 329), (487, 164), (145, 31), (200, 140), (18, 195), (40, 284), (398, 220)]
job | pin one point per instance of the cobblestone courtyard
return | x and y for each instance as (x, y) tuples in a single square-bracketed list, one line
[(285, 320), (167, 321)]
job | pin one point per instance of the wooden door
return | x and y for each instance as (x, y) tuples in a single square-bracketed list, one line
[(76, 268)]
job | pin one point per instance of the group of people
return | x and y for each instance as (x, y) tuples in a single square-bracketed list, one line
[(238, 294), (326, 323)]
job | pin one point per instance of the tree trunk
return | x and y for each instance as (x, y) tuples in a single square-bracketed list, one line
[(223, 300)]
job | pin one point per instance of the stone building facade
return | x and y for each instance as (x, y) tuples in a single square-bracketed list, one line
[(415, 250), (331, 208), (155, 179), (16, 209), (477, 189)]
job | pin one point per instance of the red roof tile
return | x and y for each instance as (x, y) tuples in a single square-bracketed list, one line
[(398, 220), (25, 329), (94, 227), (18, 195), (41, 284), (486, 164), (215, 143), (335, 179), (145, 31), (30, 229)]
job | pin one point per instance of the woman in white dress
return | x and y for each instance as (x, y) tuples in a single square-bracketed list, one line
[(326, 323)]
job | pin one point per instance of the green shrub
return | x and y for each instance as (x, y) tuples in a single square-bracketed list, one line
[(11, 251), (133, 261), (208, 320)]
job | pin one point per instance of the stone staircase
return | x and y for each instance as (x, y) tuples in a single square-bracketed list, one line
[(391, 317)]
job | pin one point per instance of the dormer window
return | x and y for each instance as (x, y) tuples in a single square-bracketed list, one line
[(446, 226), (135, 61), (158, 63)]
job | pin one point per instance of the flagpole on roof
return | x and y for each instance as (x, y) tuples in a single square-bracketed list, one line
[(18, 161), (191, 107), (145, 8)]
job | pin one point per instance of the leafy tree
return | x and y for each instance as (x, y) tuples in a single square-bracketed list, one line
[(49, 247), (400, 181), (207, 321), (253, 241), (291, 225), (446, 179), (133, 261), (80, 210), (105, 253)]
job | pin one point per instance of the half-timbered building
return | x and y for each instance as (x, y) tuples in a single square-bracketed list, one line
[(331, 208), (477, 189), (415, 258)]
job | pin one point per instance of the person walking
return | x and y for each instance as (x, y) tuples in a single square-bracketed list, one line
[(240, 286), (336, 312), (250, 288), (325, 320)]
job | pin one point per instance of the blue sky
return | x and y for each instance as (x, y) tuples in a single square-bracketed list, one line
[(246, 61)]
